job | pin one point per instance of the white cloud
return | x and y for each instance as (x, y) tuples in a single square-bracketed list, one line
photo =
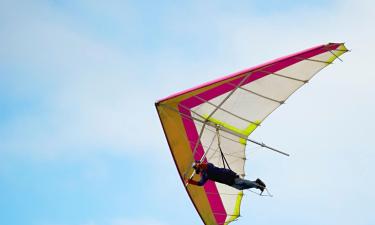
[(89, 91)]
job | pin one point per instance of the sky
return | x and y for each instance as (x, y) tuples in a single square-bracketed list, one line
[(81, 142)]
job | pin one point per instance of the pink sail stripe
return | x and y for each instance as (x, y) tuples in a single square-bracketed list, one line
[(215, 201), (331, 46)]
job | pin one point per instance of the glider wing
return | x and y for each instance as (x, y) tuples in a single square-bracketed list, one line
[(219, 115)]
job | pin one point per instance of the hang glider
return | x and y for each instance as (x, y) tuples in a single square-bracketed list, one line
[(216, 118)]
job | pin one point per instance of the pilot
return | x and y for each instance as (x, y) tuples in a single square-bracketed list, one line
[(222, 175)]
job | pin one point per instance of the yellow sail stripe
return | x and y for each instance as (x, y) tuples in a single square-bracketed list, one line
[(342, 49), (245, 132), (236, 212)]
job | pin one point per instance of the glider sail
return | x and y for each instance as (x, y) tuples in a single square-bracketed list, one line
[(212, 122)]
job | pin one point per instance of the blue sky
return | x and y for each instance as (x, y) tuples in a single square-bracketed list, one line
[(80, 140)]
